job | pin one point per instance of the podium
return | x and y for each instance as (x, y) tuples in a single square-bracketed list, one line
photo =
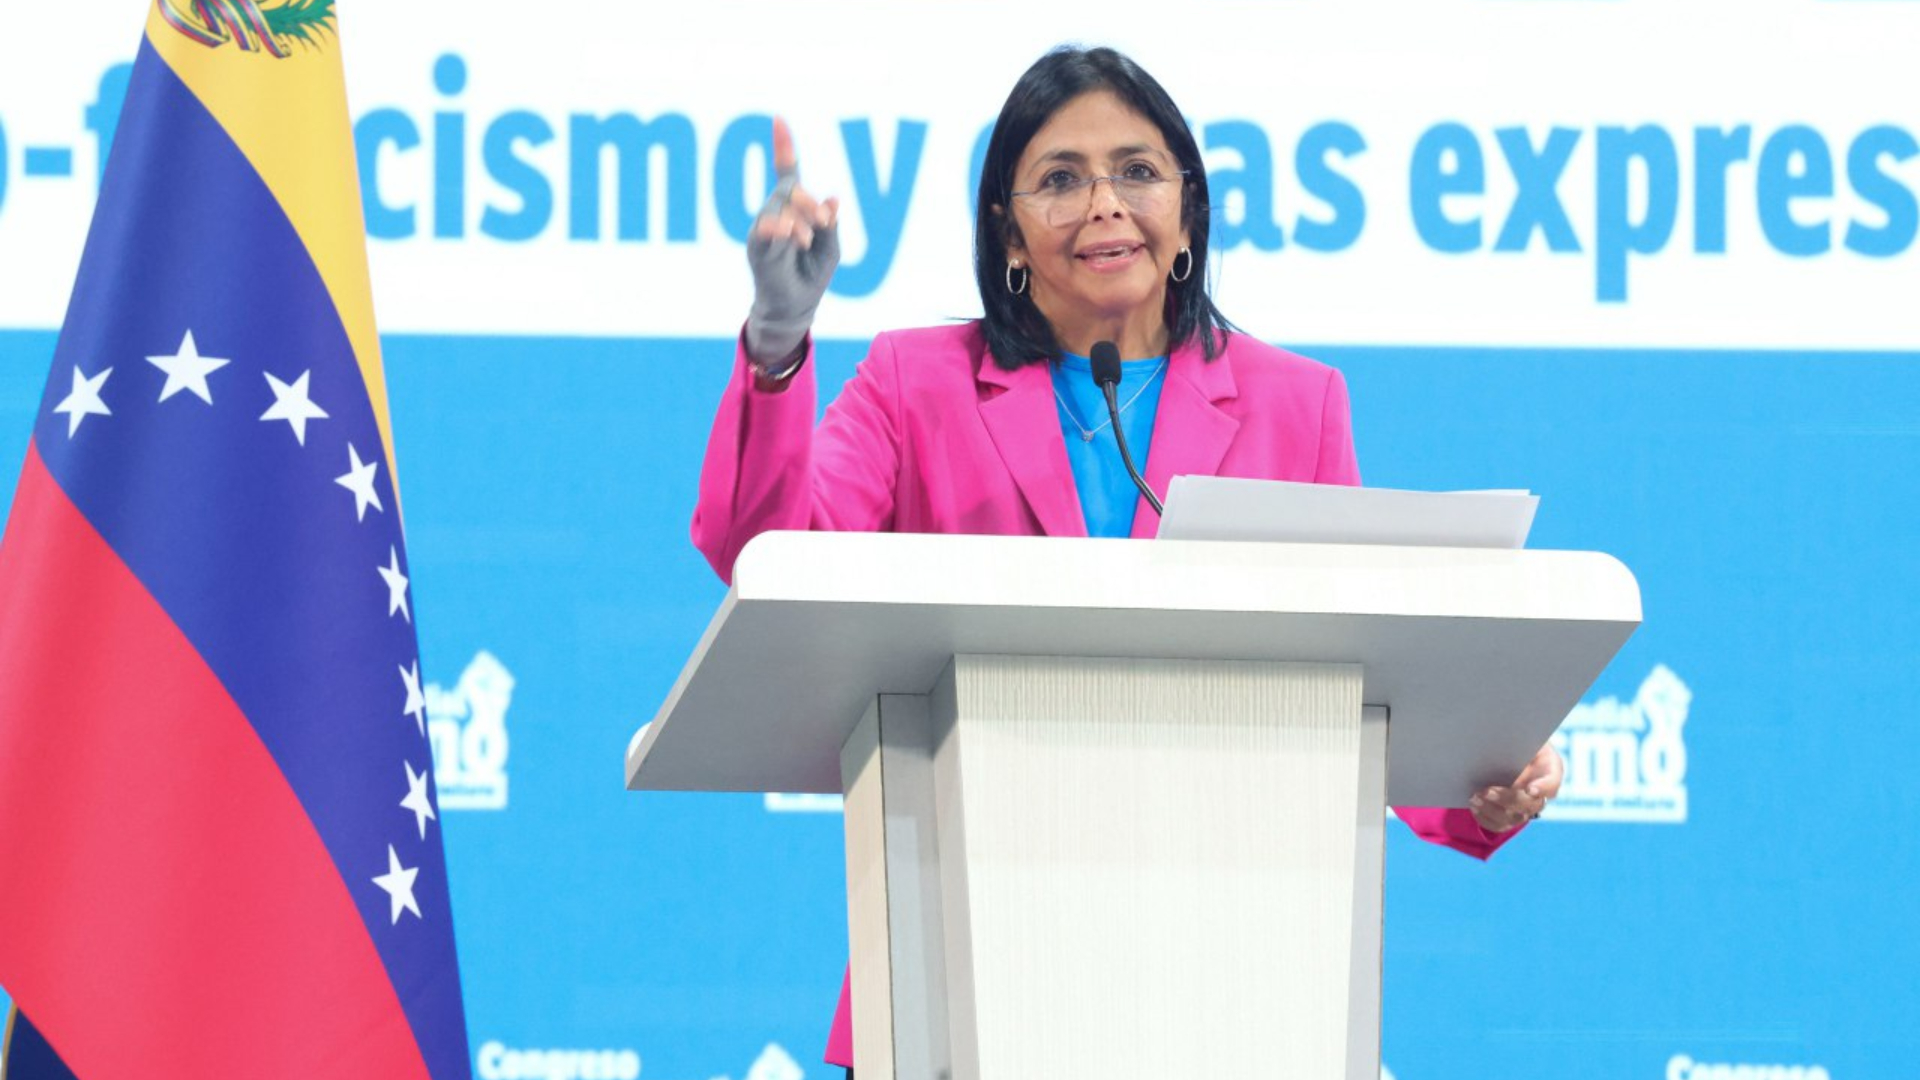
[(1115, 808)]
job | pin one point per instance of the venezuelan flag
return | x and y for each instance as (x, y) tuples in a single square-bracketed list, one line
[(217, 818)]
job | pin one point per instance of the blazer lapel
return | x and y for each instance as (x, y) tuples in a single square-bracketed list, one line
[(1191, 432), (1026, 430)]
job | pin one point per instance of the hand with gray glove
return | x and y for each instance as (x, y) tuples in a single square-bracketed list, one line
[(792, 250)]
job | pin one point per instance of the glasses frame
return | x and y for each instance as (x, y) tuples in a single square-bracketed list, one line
[(1058, 194)]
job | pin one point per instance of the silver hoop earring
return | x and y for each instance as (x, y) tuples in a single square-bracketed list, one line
[(1024, 275), (1188, 252)]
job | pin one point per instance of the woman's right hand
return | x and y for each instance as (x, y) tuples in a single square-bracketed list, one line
[(792, 250)]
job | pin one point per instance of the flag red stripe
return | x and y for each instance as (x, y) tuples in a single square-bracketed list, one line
[(166, 907)]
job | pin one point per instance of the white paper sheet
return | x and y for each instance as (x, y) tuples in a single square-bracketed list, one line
[(1225, 508)]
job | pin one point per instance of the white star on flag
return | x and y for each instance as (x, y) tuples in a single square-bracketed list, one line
[(416, 706), (417, 800), (397, 883), (396, 584), (84, 400), (359, 480), (187, 370), (291, 403)]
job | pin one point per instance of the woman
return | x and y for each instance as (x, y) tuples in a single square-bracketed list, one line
[(1091, 227)]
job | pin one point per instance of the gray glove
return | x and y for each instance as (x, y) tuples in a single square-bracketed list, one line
[(788, 281)]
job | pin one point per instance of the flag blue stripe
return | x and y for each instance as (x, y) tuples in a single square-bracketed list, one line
[(28, 1054)]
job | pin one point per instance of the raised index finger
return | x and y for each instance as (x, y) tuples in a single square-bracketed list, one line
[(786, 162)]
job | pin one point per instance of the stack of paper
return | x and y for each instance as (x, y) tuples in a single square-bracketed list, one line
[(1226, 508)]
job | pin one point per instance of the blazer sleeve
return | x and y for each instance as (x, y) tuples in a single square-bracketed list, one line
[(767, 467), (1454, 828), (1337, 463)]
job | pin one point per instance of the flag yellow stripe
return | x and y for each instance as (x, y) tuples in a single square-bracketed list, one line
[(289, 117), (6, 1040)]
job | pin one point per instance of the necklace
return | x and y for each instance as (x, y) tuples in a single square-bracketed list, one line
[(1086, 433)]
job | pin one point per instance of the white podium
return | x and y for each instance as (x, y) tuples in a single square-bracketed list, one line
[(1114, 808)]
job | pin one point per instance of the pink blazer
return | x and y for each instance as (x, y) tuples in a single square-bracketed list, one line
[(930, 436)]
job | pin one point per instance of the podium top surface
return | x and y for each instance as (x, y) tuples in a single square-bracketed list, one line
[(1477, 653)]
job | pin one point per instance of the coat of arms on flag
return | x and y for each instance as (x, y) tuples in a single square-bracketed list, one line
[(217, 813), (247, 24)]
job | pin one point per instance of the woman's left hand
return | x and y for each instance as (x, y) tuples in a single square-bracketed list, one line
[(1503, 809)]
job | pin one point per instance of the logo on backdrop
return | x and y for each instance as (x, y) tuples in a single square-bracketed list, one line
[(497, 1061), (1682, 1067), (1626, 760), (774, 1063), (468, 726)]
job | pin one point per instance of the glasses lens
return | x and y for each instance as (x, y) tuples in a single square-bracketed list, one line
[(1066, 205)]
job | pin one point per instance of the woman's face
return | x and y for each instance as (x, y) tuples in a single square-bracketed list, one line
[(1099, 261)]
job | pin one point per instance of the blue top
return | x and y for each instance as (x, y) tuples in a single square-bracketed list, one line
[(1107, 495)]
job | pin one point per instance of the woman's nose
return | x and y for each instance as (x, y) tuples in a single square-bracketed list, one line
[(1105, 199)]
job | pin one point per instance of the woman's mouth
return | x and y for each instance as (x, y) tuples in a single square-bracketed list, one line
[(1105, 256)]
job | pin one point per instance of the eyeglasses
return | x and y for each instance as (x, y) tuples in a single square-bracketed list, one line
[(1063, 198)]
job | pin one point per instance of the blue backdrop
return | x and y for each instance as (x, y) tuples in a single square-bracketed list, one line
[(1764, 500)]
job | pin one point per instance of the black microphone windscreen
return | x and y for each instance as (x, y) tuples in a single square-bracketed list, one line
[(1106, 363)]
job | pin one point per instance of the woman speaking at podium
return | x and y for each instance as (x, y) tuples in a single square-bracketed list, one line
[(1090, 239)]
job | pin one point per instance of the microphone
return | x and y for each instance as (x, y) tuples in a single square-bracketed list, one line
[(1106, 374)]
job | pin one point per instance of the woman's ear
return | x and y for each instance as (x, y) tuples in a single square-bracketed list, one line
[(1009, 232)]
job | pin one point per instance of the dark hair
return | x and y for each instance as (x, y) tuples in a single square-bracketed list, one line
[(1017, 333)]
